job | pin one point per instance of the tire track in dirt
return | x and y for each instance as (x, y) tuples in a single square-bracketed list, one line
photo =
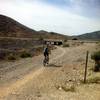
[(16, 86)]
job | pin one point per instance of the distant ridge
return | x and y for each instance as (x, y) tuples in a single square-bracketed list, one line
[(11, 28), (89, 36)]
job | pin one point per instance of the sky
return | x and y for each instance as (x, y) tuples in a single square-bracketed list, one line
[(69, 17)]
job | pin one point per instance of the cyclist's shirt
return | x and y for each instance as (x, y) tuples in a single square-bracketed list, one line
[(46, 51)]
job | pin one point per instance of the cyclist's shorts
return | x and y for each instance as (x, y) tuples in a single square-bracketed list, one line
[(46, 54)]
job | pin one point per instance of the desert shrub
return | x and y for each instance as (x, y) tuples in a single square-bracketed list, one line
[(66, 45), (96, 57), (74, 39), (94, 80), (11, 57), (66, 88), (69, 89), (2, 55), (98, 42), (25, 54), (65, 40)]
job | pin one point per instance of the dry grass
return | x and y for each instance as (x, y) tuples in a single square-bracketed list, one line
[(66, 88), (94, 80), (66, 45)]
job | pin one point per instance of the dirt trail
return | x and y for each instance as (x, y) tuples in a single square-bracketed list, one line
[(29, 76), (65, 68)]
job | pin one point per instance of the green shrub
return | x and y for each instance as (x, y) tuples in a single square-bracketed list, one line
[(96, 58), (65, 40), (74, 39), (66, 88), (69, 89), (25, 55)]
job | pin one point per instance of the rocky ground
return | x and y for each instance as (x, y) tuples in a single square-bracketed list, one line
[(27, 79)]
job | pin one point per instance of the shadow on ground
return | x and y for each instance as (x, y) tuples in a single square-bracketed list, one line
[(53, 65)]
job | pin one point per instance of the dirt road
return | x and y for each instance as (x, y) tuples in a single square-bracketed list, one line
[(14, 74), (28, 80)]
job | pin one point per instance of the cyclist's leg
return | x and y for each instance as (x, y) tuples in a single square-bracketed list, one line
[(44, 61), (44, 56), (47, 58)]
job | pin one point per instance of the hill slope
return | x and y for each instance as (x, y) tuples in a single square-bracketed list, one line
[(12, 28), (90, 36)]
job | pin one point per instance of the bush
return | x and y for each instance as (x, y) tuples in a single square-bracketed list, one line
[(96, 58), (94, 80), (74, 39), (25, 55), (11, 57), (65, 40), (66, 88), (69, 89), (66, 45)]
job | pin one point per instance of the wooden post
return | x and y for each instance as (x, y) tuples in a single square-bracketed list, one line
[(85, 74)]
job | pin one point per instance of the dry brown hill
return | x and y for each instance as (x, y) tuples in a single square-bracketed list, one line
[(11, 28)]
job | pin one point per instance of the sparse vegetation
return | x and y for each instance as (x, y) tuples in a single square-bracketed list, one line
[(96, 58), (66, 45), (90, 36), (74, 39), (94, 80), (69, 89), (98, 45), (11, 57), (25, 54), (66, 88)]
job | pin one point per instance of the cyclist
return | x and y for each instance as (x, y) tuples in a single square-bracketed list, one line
[(46, 53)]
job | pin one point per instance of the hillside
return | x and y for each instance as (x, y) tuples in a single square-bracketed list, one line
[(90, 36), (11, 28)]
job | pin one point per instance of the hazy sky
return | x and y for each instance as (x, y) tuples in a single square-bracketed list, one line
[(70, 17)]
